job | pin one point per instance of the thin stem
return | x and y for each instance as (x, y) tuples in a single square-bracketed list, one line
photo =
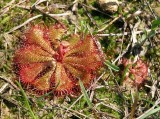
[(26, 101)]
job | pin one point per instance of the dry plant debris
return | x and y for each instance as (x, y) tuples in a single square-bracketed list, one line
[(55, 29)]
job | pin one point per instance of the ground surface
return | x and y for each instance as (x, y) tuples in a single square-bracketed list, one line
[(135, 24)]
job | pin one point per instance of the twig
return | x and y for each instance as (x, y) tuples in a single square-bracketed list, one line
[(9, 81), (38, 2), (44, 13), (89, 16), (8, 99), (59, 15), (115, 19), (6, 8), (26, 22), (29, 7), (93, 8), (120, 34), (3, 87), (12, 101), (125, 33), (134, 38), (1, 105), (92, 95), (33, 18), (133, 109), (51, 15), (9, 6), (75, 112), (58, 6), (123, 53), (124, 28), (151, 9), (112, 106)]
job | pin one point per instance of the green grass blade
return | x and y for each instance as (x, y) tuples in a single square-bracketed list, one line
[(85, 94), (26, 101), (112, 66), (156, 23), (126, 70), (150, 113)]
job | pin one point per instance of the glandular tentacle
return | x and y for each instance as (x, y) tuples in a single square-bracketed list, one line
[(47, 63)]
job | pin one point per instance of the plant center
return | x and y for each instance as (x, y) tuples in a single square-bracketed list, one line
[(60, 53)]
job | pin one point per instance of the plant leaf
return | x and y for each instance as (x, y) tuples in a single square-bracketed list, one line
[(150, 113), (26, 101), (112, 66), (126, 70), (155, 23), (85, 94)]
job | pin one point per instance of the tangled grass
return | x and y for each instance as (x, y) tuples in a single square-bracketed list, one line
[(132, 32)]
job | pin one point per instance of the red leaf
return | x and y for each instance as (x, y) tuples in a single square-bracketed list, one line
[(46, 64), (139, 71)]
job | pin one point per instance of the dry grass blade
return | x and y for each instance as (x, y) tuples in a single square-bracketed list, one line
[(104, 28), (8, 80), (112, 106), (10, 5), (149, 112), (3, 87), (74, 111), (23, 24), (131, 32), (6, 8)]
